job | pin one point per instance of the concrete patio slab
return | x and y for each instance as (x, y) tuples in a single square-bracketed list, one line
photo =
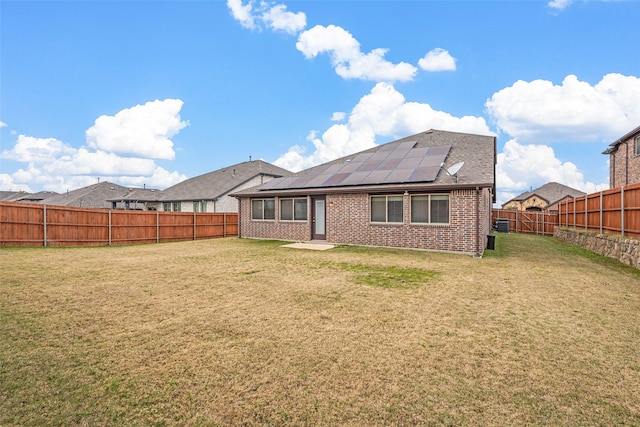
[(310, 245)]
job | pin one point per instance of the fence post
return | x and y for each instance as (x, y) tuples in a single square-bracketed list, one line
[(601, 212), (44, 224), (157, 226), (109, 227), (586, 212), (622, 209), (574, 214), (224, 224), (194, 224)]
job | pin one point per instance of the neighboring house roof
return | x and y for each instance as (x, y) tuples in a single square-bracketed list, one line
[(410, 163), (613, 147), (215, 184), (36, 197), (551, 192), (12, 196), (138, 195), (92, 196)]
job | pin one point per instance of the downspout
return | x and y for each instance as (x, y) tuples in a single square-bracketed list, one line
[(477, 221), (239, 217), (626, 166)]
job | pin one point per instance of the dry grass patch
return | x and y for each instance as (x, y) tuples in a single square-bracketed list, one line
[(229, 332)]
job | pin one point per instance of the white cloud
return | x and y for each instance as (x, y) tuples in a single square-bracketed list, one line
[(31, 149), (7, 183), (242, 13), (559, 4), (140, 131), (3, 124), (385, 112), (253, 15), (338, 116), (121, 149), (98, 163), (279, 19), (524, 166), (540, 111), (160, 178), (347, 58), (438, 60)]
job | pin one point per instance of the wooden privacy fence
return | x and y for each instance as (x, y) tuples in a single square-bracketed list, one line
[(531, 222), (24, 224), (615, 211)]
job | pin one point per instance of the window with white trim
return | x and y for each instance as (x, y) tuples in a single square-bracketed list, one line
[(263, 209), (293, 209), (637, 146), (387, 208), (430, 208), (200, 206)]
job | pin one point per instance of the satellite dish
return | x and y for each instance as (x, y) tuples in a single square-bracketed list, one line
[(453, 170)]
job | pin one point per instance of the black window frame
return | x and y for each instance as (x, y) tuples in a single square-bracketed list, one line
[(389, 210), (264, 209), (430, 207), (294, 201)]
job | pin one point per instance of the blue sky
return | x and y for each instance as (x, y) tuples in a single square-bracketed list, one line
[(154, 92)]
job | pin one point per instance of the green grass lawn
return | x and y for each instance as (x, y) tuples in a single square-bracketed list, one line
[(246, 332)]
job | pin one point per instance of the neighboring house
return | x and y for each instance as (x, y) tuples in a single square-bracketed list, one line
[(35, 197), (92, 196), (136, 199), (204, 193), (624, 159), (545, 198), (399, 194), (12, 196)]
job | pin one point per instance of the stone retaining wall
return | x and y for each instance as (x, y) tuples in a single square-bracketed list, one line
[(624, 249)]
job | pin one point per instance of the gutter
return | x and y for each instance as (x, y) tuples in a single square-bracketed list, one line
[(477, 221), (358, 189)]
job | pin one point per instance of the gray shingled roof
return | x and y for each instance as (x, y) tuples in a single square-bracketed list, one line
[(12, 196), (92, 196), (477, 151), (552, 192), (36, 197), (613, 147), (220, 182)]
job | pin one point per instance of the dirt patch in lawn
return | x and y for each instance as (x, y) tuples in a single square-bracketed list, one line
[(230, 332)]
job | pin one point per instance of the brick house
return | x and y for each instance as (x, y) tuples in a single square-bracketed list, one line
[(624, 159), (406, 194), (545, 198)]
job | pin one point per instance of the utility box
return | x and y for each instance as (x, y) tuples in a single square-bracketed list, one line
[(491, 242), (502, 224)]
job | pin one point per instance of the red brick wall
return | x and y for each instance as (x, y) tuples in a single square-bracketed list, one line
[(348, 223), (624, 165)]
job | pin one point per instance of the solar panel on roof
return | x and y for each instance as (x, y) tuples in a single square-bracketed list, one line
[(409, 163), (417, 152), (350, 167), (335, 179), (380, 155), (392, 164), (389, 164), (355, 178), (369, 166), (424, 174), (377, 177), (399, 175)]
